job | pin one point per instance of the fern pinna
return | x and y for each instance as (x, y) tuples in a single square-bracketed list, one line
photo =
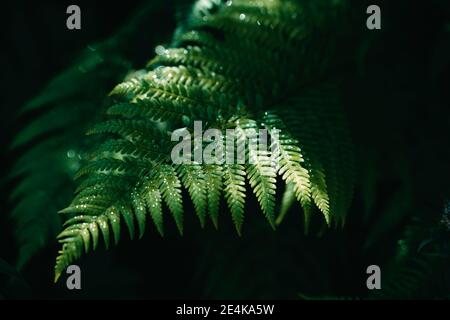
[(231, 65)]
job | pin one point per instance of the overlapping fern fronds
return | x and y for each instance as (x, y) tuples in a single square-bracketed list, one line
[(235, 64), (52, 141)]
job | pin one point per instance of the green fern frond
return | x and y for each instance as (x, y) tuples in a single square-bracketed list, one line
[(216, 72), (261, 172), (214, 186), (316, 121), (153, 201), (193, 179), (171, 193), (234, 180), (290, 161)]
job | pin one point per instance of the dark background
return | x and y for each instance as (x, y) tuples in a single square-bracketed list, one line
[(397, 101)]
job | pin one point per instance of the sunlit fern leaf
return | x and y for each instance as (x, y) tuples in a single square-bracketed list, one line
[(100, 180), (171, 192), (317, 121), (157, 109), (261, 172), (234, 181), (214, 186), (292, 163), (129, 89), (216, 72), (153, 200), (128, 217), (140, 212), (128, 129), (193, 179), (105, 166)]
